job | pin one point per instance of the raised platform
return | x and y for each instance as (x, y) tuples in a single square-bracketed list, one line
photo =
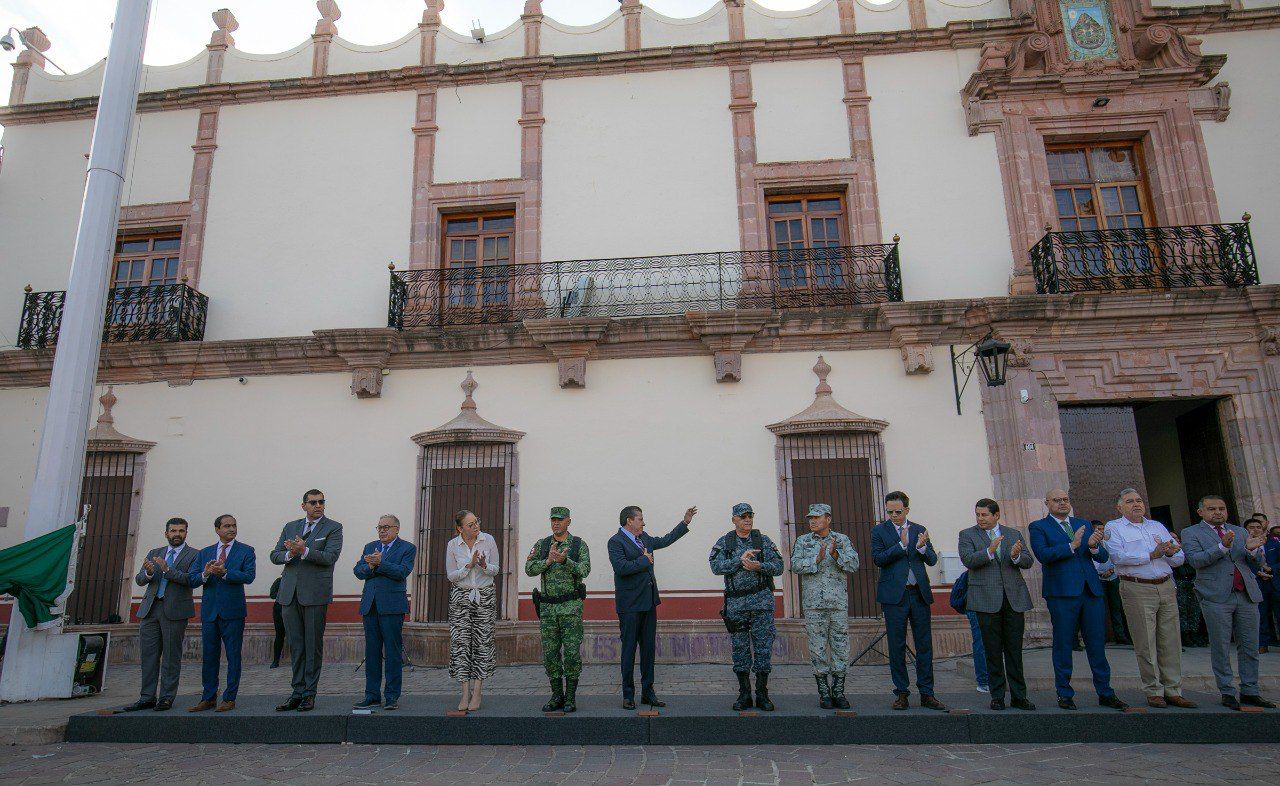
[(686, 720)]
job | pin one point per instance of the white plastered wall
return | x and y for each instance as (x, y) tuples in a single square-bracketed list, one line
[(638, 164), (479, 136), (347, 57), (160, 156), (710, 26), (1242, 160), (800, 111), (939, 187), (821, 18), (309, 201), (242, 66), (660, 433)]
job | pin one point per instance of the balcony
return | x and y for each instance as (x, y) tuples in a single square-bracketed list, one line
[(837, 277), (1209, 255), (162, 312)]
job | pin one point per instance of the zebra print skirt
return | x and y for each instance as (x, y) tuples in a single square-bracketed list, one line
[(472, 655)]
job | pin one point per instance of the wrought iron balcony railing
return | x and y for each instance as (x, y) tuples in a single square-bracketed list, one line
[(1209, 255), (162, 312), (838, 277)]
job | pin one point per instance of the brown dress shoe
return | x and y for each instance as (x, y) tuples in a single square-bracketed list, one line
[(1157, 701), (901, 701), (226, 705), (202, 706), (930, 703), (1178, 701)]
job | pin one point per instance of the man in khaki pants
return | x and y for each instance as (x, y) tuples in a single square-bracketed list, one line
[(1145, 555)]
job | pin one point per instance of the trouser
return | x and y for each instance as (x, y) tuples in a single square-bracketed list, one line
[(1115, 611), (383, 645), (277, 644), (1002, 639), (215, 635), (828, 633), (160, 645), (472, 653), (1085, 613), (911, 609), (561, 644), (1268, 611), (638, 627), (1237, 618), (980, 674), (304, 626), (753, 644), (1152, 613)]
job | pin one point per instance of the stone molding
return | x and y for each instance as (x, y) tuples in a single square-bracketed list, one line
[(914, 332), (571, 342), (103, 437), (726, 334), (825, 415), (467, 425), (365, 352)]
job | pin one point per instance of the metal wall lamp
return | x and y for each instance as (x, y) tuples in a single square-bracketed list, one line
[(989, 354)]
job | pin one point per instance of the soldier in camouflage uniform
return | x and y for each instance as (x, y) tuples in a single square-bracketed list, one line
[(563, 561), (748, 561), (823, 560)]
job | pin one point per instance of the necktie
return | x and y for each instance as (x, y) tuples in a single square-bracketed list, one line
[(383, 547), (1066, 527), (639, 543), (306, 530), (1237, 581), (168, 558), (911, 577), (222, 552), (991, 535)]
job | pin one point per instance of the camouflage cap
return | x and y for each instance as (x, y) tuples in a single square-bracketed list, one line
[(742, 508), (819, 509), (559, 512)]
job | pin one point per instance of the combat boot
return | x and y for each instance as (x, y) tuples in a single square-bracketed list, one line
[(837, 692), (570, 694), (744, 692), (557, 697), (762, 691), (824, 691)]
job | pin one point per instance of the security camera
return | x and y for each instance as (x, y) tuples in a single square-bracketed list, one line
[(6, 43), (242, 381)]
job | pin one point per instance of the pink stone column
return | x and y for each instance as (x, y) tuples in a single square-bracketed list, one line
[(631, 21), (866, 202), (919, 21), (529, 217), (321, 40), (31, 56), (428, 29), (531, 19), (742, 107), (845, 8), (422, 223), (201, 176), (219, 42), (737, 25)]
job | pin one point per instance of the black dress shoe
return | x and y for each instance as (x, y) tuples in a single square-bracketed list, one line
[(1230, 702), (652, 701), (164, 704), (1112, 701), (140, 704), (628, 704), (997, 704), (366, 704), (291, 704), (1256, 701), (391, 705), (1066, 704), (307, 704), (1022, 704)]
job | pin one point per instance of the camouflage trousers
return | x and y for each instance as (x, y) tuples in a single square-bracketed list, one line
[(561, 631), (753, 645), (828, 634)]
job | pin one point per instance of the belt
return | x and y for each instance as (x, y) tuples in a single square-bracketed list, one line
[(1139, 580)]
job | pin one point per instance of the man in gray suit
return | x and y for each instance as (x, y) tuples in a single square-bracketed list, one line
[(308, 549), (163, 614), (996, 557), (1225, 559)]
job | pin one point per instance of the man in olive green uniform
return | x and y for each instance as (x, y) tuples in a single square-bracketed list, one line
[(563, 561)]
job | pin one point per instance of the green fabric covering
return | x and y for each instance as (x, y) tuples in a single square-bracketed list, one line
[(35, 572)]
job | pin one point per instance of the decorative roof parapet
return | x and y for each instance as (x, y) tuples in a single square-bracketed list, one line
[(219, 43), (825, 414), (631, 23), (103, 437), (31, 56), (531, 19), (322, 39), (428, 29), (467, 426)]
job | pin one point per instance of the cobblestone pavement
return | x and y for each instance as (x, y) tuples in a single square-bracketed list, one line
[(648, 766)]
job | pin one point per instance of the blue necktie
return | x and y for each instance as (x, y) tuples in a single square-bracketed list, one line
[(168, 558), (384, 548)]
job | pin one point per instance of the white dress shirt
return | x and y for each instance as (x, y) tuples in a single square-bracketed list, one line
[(1130, 546), (458, 555)]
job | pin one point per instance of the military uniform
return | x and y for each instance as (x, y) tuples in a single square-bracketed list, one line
[(560, 620), (824, 596)]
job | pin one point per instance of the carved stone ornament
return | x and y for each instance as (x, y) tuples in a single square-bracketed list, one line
[(825, 415), (726, 334), (1019, 352), (1271, 340), (103, 437), (227, 24), (431, 16), (467, 426), (571, 341), (365, 352), (329, 16), (917, 358)]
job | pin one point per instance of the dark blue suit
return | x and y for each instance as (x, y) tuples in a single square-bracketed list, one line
[(902, 604), (383, 603), (635, 596), (1269, 608), (222, 613), (1076, 599)]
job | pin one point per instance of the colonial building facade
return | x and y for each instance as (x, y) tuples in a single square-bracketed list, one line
[(662, 262)]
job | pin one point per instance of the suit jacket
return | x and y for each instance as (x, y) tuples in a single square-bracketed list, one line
[(385, 585), (895, 562), (992, 579), (1271, 554), (308, 579), (223, 596), (635, 588), (176, 603), (1215, 567), (1066, 573)]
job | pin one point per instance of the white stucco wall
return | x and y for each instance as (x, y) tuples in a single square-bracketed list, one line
[(348, 57), (49, 85), (242, 66), (660, 433), (638, 164), (872, 17), (939, 12), (821, 18), (800, 111), (456, 48), (185, 74), (1246, 172), (710, 26), (606, 35), (939, 187), (309, 201), (479, 136), (160, 156)]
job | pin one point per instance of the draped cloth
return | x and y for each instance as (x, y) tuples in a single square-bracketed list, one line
[(35, 573)]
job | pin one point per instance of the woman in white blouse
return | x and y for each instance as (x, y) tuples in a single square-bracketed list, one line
[(471, 562)]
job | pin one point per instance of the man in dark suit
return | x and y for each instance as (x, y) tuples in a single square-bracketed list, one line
[(383, 567), (1067, 548), (308, 549), (222, 569), (162, 616), (901, 549), (996, 557), (636, 598)]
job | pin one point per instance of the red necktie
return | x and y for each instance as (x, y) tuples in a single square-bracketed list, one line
[(222, 553), (1237, 581)]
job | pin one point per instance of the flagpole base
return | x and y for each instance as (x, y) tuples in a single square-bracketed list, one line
[(38, 664)]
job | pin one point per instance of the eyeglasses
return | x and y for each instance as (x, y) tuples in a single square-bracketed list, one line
[(381, 527), (315, 502)]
